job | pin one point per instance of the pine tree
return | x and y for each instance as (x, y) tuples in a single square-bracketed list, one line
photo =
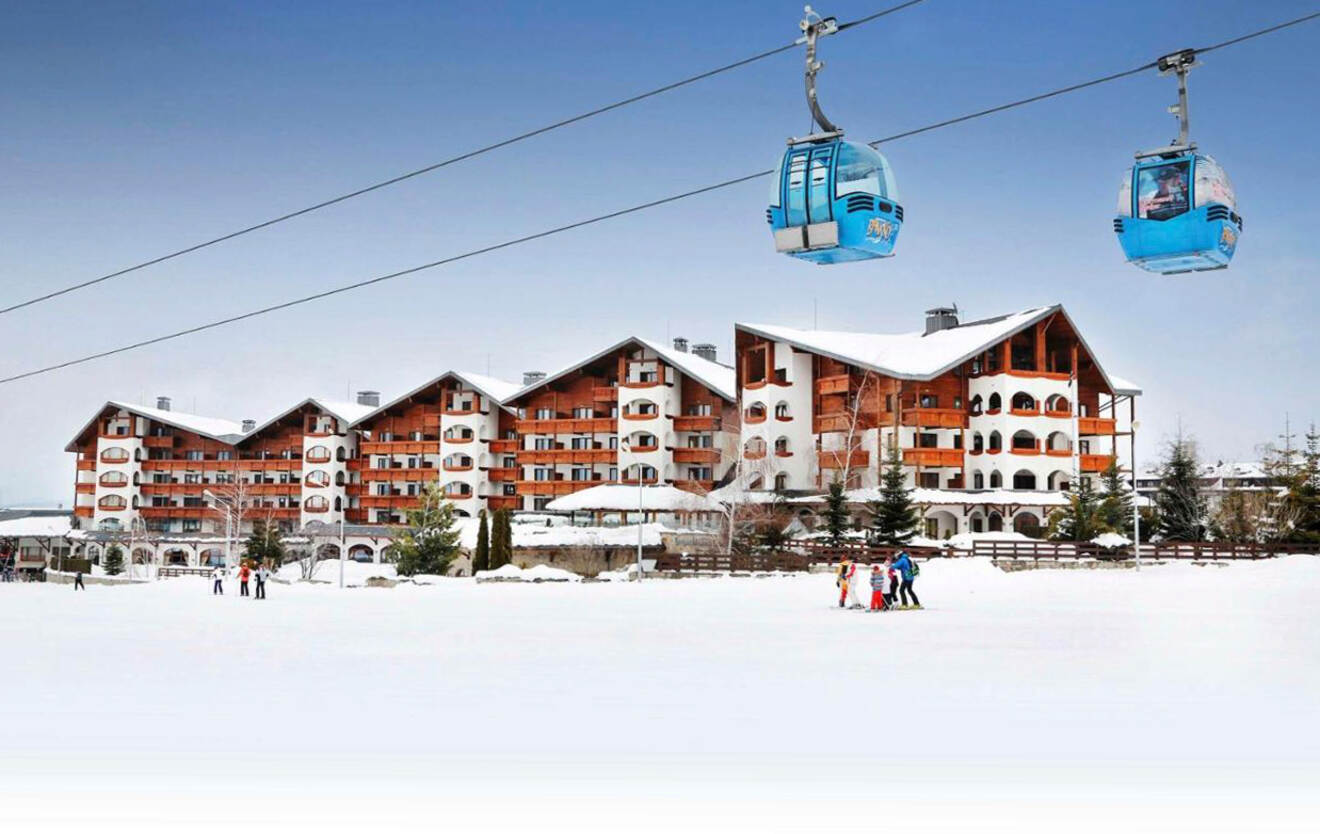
[(893, 517), (1307, 493), (1182, 508), (1080, 521), (836, 513), (266, 543), (429, 543), (501, 540), (114, 560), (1115, 501), (481, 556)]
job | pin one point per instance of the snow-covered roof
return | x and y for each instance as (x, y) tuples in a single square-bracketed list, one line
[(569, 536), (39, 526), (496, 389), (216, 428), (621, 497), (1123, 386), (924, 495), (346, 410), (718, 378), (916, 355)]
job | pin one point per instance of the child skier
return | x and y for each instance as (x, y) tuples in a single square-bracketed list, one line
[(218, 578), (879, 581), (891, 582), (843, 578)]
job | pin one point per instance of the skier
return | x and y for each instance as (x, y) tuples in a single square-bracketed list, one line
[(843, 578), (217, 579), (243, 573), (77, 582), (908, 570), (262, 574), (879, 579), (891, 582)]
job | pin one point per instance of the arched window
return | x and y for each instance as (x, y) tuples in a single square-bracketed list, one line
[(754, 413), (996, 403), (316, 504), (978, 443), (781, 447), (647, 473), (317, 478), (1058, 406), (457, 462), (1025, 441), (1058, 442), (318, 454), (458, 434), (1058, 480), (754, 448), (996, 442), (114, 454), (1024, 479), (114, 479), (996, 480), (643, 442), (1027, 524), (781, 411), (975, 405), (112, 503), (640, 410), (110, 525), (978, 480), (1022, 401), (781, 482), (341, 454)]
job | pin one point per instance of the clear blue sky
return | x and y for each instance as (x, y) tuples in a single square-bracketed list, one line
[(132, 128)]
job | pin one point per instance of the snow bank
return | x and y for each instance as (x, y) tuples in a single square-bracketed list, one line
[(1111, 540), (536, 573), (327, 570), (964, 541)]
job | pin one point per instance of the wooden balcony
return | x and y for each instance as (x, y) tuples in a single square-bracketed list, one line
[(1096, 463), (390, 502), (553, 487), (502, 474), (399, 447), (841, 459), (933, 457), (355, 515), (401, 473), (699, 487), (502, 502), (937, 418), (175, 512), (503, 446), (86, 465), (588, 456), (567, 425), (833, 384), (684, 454), (1062, 414), (842, 421), (1095, 425), (85, 489), (84, 512), (451, 440), (458, 467), (605, 394), (1024, 412), (694, 423), (152, 441), (286, 513)]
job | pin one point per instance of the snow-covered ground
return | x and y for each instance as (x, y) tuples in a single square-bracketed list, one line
[(1182, 698)]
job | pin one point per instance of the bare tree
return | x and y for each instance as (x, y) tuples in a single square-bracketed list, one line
[(857, 421)]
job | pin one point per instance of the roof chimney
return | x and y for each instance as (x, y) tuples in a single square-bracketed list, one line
[(249, 425), (705, 350), (941, 318), (680, 344), (163, 403), (532, 377), (371, 398)]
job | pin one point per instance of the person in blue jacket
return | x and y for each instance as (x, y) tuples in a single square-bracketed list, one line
[(907, 571)]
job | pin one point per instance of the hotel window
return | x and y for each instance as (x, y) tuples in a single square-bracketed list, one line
[(889, 402), (699, 410), (224, 455), (929, 480), (545, 413), (583, 412), (192, 478), (581, 474), (929, 401), (192, 525), (541, 473), (193, 454), (540, 503), (698, 473), (579, 443), (614, 473), (614, 442), (542, 443), (701, 441)]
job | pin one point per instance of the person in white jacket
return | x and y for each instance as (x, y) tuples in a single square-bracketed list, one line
[(263, 573), (218, 578)]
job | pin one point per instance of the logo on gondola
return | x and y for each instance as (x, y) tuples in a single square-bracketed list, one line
[(879, 230), (1227, 238)]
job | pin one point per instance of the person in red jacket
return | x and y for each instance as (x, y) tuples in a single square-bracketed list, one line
[(879, 581), (243, 573)]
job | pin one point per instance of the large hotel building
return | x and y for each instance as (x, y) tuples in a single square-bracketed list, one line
[(988, 418)]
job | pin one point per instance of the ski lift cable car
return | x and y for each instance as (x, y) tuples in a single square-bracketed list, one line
[(1177, 211), (831, 201)]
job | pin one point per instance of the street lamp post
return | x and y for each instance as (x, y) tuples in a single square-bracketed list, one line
[(1136, 509), (641, 515), (342, 555)]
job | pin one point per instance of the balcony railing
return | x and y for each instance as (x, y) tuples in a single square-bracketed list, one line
[(400, 473), (605, 393), (841, 459), (399, 447), (503, 446), (833, 384), (502, 502), (502, 474), (553, 487), (529, 456), (933, 457), (1096, 425), (842, 421), (154, 441), (691, 422), (684, 454), (567, 425), (1096, 463), (937, 418), (86, 465)]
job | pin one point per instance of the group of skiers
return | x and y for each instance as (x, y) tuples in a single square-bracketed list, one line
[(891, 583), (245, 573)]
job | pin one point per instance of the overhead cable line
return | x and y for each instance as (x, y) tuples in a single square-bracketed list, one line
[(504, 143), (593, 220)]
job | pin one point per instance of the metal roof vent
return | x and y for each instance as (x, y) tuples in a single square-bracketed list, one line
[(680, 344), (371, 398), (532, 377), (249, 425), (941, 318), (705, 350), (163, 403)]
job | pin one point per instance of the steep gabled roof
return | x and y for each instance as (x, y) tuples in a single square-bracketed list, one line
[(488, 386), (917, 355), (216, 428), (345, 410), (718, 378)]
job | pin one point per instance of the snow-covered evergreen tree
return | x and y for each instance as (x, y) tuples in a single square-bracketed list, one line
[(114, 560), (429, 542), (481, 556), (1115, 501), (266, 543), (1080, 521), (893, 517), (1182, 508)]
